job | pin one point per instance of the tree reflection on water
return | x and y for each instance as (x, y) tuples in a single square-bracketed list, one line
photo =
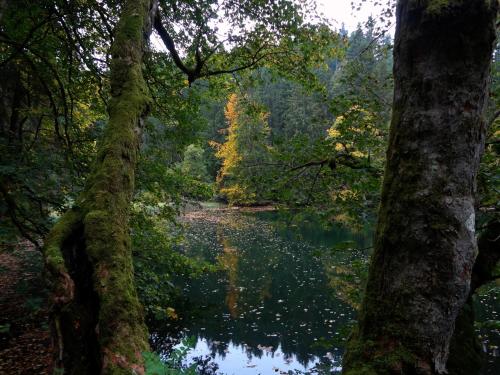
[(273, 303)]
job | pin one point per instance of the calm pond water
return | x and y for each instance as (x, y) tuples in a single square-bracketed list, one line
[(283, 300)]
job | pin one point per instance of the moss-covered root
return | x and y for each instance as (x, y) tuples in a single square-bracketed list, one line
[(61, 284), (57, 272), (380, 357), (367, 357)]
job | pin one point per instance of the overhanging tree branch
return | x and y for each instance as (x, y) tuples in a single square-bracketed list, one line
[(196, 72), (169, 43)]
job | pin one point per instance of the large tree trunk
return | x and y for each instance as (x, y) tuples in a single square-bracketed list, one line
[(98, 320), (425, 242)]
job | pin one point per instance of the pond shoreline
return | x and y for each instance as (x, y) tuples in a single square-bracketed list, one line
[(210, 211)]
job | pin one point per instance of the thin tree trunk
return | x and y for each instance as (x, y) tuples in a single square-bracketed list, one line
[(425, 242), (98, 320)]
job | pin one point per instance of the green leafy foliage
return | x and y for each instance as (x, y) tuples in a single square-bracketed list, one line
[(51, 110), (5, 328), (155, 230), (173, 364), (317, 147), (194, 168)]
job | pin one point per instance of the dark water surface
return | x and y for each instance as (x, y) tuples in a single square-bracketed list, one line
[(284, 299)]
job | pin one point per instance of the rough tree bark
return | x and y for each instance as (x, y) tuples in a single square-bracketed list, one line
[(425, 242), (97, 318)]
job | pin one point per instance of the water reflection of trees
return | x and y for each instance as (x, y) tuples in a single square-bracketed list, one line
[(228, 259), (346, 272), (273, 290)]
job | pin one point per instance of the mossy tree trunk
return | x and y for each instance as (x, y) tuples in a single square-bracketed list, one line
[(98, 320), (425, 243)]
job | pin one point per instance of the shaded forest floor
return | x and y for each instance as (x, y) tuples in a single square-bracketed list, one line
[(25, 344)]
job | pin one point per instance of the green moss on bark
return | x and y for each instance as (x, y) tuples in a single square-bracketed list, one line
[(376, 357), (61, 231)]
